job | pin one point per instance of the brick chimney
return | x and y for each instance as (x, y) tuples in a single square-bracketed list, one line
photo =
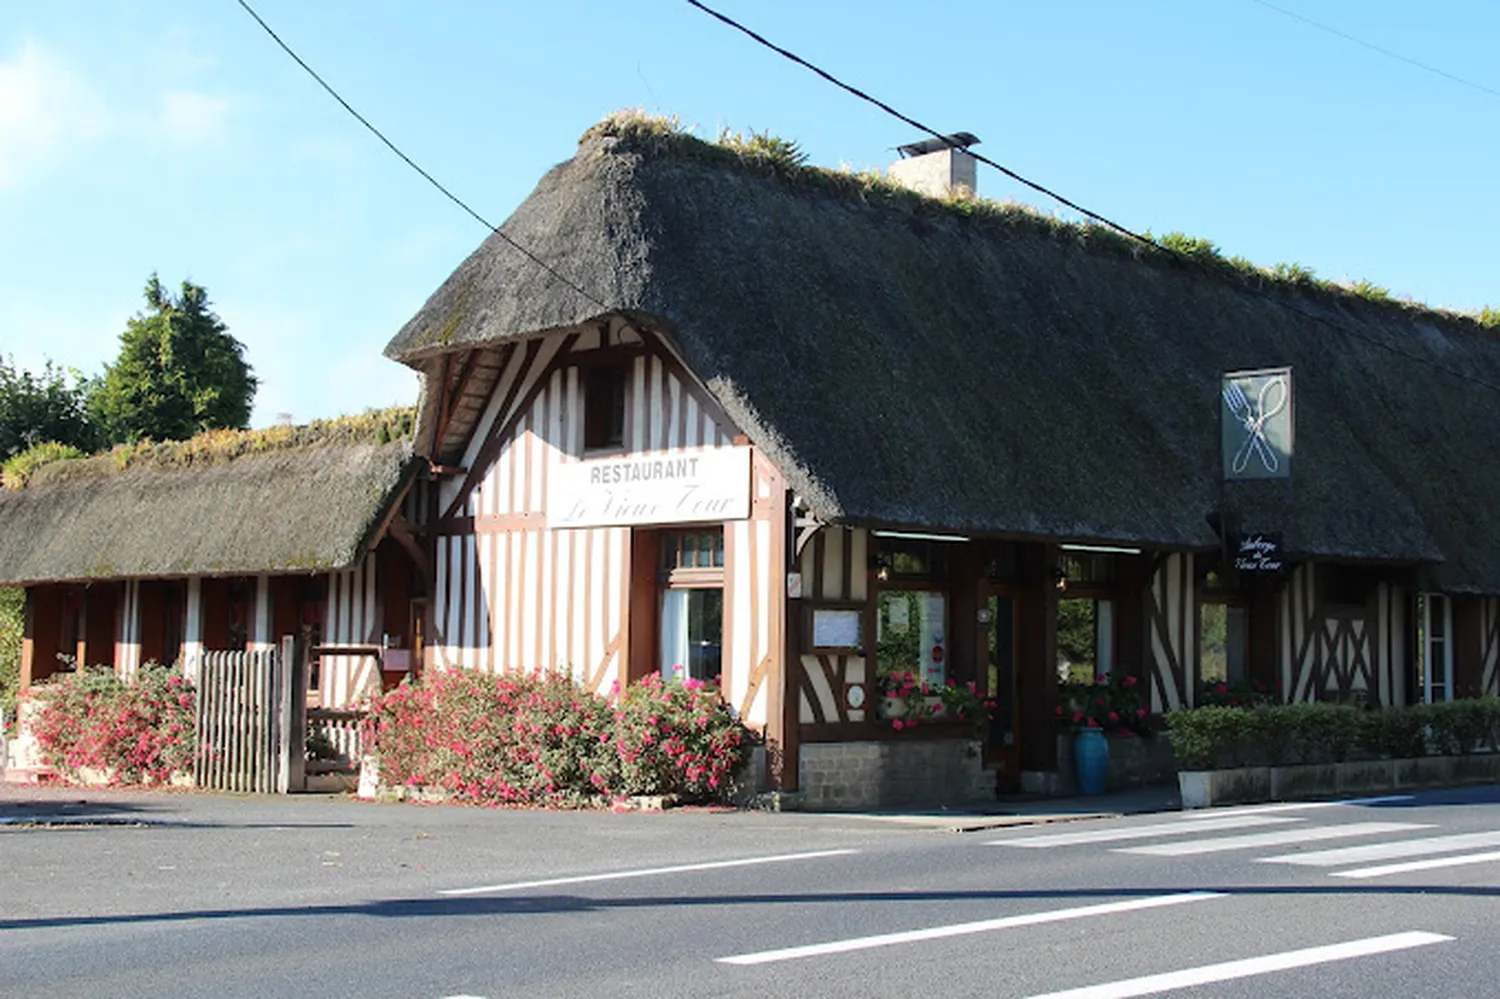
[(938, 167)]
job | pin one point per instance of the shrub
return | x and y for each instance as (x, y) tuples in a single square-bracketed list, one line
[(1239, 694), (136, 731), (1273, 729), (1459, 727), (1205, 738), (1400, 733), (12, 615), (1325, 731), (535, 739), (677, 738)]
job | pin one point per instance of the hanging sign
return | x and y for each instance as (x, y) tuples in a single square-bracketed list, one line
[(694, 485), (1256, 424), (1260, 552)]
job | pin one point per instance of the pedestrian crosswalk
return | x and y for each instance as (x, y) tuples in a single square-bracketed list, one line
[(1386, 848)]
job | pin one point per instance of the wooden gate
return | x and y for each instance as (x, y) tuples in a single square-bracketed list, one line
[(251, 721)]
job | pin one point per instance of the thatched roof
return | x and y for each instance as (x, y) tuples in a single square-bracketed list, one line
[(915, 362), (297, 505)]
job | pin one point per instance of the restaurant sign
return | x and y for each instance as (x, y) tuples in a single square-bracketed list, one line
[(694, 485), (1260, 552)]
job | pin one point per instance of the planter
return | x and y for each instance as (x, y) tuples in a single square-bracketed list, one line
[(1091, 760), (1248, 785)]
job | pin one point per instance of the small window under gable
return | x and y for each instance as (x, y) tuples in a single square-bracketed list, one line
[(604, 394)]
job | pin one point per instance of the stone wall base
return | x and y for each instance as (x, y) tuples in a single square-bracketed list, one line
[(895, 773)]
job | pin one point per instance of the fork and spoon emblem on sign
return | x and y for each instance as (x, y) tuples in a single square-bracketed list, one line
[(1269, 402)]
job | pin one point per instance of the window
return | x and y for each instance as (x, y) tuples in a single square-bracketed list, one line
[(1434, 647), (604, 406), (910, 629), (910, 557), (692, 605), (1085, 639), (1223, 642)]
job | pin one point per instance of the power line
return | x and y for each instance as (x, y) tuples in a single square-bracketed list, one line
[(1376, 48), (1173, 254), (412, 163), (919, 126)]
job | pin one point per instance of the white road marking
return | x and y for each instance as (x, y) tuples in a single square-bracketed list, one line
[(1388, 851), (960, 929), (1302, 806), (1230, 970), (1175, 828), (1301, 834), (1431, 863), (647, 872)]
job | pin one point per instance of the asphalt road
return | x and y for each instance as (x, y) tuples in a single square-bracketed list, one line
[(203, 895)]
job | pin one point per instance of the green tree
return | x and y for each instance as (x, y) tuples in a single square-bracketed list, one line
[(12, 617), (51, 406), (179, 372)]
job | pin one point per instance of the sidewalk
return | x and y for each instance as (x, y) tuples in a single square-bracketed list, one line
[(1025, 811), (61, 804)]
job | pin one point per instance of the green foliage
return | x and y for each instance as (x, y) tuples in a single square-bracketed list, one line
[(1205, 738), (1295, 274), (782, 154), (1400, 733), (1325, 731), (179, 372), (51, 406), (1370, 291), (1489, 317), (1461, 727), (12, 623), (136, 731), (16, 471), (1190, 246)]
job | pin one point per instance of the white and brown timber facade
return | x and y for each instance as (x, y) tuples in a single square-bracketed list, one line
[(818, 436)]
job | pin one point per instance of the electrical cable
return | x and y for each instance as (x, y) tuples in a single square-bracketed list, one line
[(411, 163), (1171, 253), (1376, 48)]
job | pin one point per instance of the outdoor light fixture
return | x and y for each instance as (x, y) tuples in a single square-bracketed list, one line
[(1101, 549), (917, 536), (1060, 579), (882, 564)]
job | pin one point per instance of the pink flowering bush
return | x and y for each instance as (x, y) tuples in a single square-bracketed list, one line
[(135, 731), (536, 739), (677, 738), (910, 701), (1117, 704)]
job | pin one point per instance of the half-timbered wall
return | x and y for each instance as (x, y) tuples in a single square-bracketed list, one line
[(1489, 617), (833, 567), (1172, 633), (352, 615), (1338, 651), (751, 555), (510, 592)]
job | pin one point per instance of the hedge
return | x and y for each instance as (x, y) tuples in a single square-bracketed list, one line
[(1272, 734)]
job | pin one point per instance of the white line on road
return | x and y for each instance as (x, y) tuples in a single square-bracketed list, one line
[(1175, 828), (1388, 851), (1302, 834), (1229, 970), (960, 929), (647, 872), (1302, 806), (1432, 863)]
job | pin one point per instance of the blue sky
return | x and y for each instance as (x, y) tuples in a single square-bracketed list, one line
[(173, 136)]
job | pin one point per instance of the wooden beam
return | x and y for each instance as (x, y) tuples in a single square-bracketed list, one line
[(516, 410)]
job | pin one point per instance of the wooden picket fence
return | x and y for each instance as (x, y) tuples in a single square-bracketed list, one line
[(251, 721)]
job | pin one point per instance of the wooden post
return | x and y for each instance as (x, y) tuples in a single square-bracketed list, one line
[(292, 717)]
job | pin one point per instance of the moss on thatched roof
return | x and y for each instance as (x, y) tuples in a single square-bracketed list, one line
[(286, 499), (962, 365)]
